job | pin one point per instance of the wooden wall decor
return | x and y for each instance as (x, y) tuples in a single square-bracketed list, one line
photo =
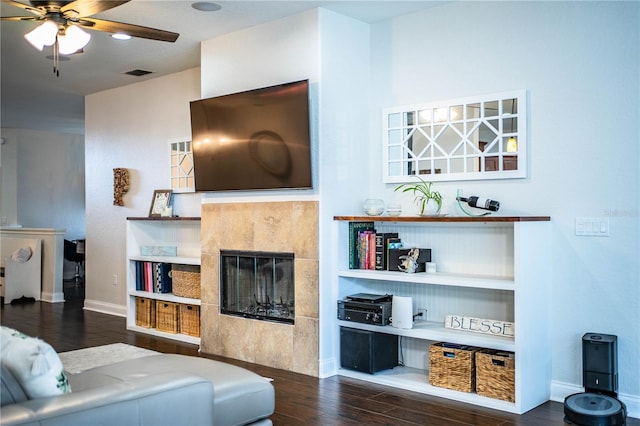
[(120, 185)]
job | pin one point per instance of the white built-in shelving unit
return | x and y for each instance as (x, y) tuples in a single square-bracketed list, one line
[(182, 232), (489, 267)]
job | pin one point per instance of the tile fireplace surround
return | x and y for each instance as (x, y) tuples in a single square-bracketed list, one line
[(268, 226)]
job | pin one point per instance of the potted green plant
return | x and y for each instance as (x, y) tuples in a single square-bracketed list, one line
[(429, 202)]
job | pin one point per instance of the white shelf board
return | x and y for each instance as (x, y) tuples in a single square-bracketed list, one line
[(418, 381), (166, 297), (168, 259), (174, 336), (437, 278), (428, 330)]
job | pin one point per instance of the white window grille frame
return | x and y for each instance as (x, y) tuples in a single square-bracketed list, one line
[(402, 122), (181, 175)]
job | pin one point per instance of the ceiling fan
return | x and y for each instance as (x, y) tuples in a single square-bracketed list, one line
[(62, 23)]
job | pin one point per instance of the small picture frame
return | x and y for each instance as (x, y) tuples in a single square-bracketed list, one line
[(160, 201)]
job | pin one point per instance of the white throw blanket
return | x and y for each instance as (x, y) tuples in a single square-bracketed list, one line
[(84, 359)]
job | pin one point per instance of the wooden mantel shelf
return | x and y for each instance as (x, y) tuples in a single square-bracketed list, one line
[(467, 219), (164, 218)]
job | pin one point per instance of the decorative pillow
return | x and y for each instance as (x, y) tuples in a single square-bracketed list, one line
[(34, 363), (21, 255)]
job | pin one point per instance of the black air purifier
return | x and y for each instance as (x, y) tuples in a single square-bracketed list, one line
[(367, 351), (598, 405)]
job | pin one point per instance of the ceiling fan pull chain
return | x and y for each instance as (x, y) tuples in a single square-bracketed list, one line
[(56, 70)]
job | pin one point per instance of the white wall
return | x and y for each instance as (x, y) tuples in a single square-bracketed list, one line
[(276, 52), (9, 178), (43, 180), (579, 63), (344, 98), (130, 127)]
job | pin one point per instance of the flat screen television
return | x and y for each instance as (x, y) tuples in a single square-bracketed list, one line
[(253, 140)]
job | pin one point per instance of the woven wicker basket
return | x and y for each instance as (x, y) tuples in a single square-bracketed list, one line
[(145, 312), (185, 282), (167, 315), (495, 374), (452, 366), (190, 320)]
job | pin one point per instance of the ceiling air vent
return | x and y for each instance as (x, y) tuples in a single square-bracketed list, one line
[(138, 73)]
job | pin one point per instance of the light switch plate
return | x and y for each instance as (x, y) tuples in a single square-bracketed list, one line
[(592, 226)]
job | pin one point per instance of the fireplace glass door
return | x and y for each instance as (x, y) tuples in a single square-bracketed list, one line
[(257, 285)]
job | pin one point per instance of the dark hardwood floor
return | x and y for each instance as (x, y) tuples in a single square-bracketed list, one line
[(300, 399)]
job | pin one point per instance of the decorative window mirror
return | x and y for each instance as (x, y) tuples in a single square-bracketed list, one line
[(181, 161), (481, 137)]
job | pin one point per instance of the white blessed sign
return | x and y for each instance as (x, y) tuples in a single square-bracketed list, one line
[(480, 325)]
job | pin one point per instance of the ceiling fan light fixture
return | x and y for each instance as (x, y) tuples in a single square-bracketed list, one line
[(121, 36), (73, 39), (206, 6), (43, 35)]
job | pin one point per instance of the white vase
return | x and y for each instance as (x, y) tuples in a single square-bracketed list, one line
[(431, 208)]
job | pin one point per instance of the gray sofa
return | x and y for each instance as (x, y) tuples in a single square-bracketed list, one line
[(161, 389)]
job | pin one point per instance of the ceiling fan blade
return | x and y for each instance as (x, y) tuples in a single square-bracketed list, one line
[(82, 8), (130, 29), (21, 18), (26, 7)]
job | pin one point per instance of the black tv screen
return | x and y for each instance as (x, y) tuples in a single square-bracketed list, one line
[(253, 140)]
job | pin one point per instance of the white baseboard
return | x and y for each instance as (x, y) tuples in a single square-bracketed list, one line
[(105, 308), (327, 368), (560, 390), (57, 297)]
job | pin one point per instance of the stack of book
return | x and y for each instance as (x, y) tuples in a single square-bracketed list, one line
[(153, 277), (382, 251), (369, 249)]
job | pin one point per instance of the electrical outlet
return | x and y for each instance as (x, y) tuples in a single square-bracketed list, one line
[(115, 280), (422, 317)]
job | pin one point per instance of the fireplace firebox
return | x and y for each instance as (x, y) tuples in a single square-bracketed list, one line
[(258, 285)]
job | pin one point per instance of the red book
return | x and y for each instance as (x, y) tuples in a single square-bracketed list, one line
[(371, 251)]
